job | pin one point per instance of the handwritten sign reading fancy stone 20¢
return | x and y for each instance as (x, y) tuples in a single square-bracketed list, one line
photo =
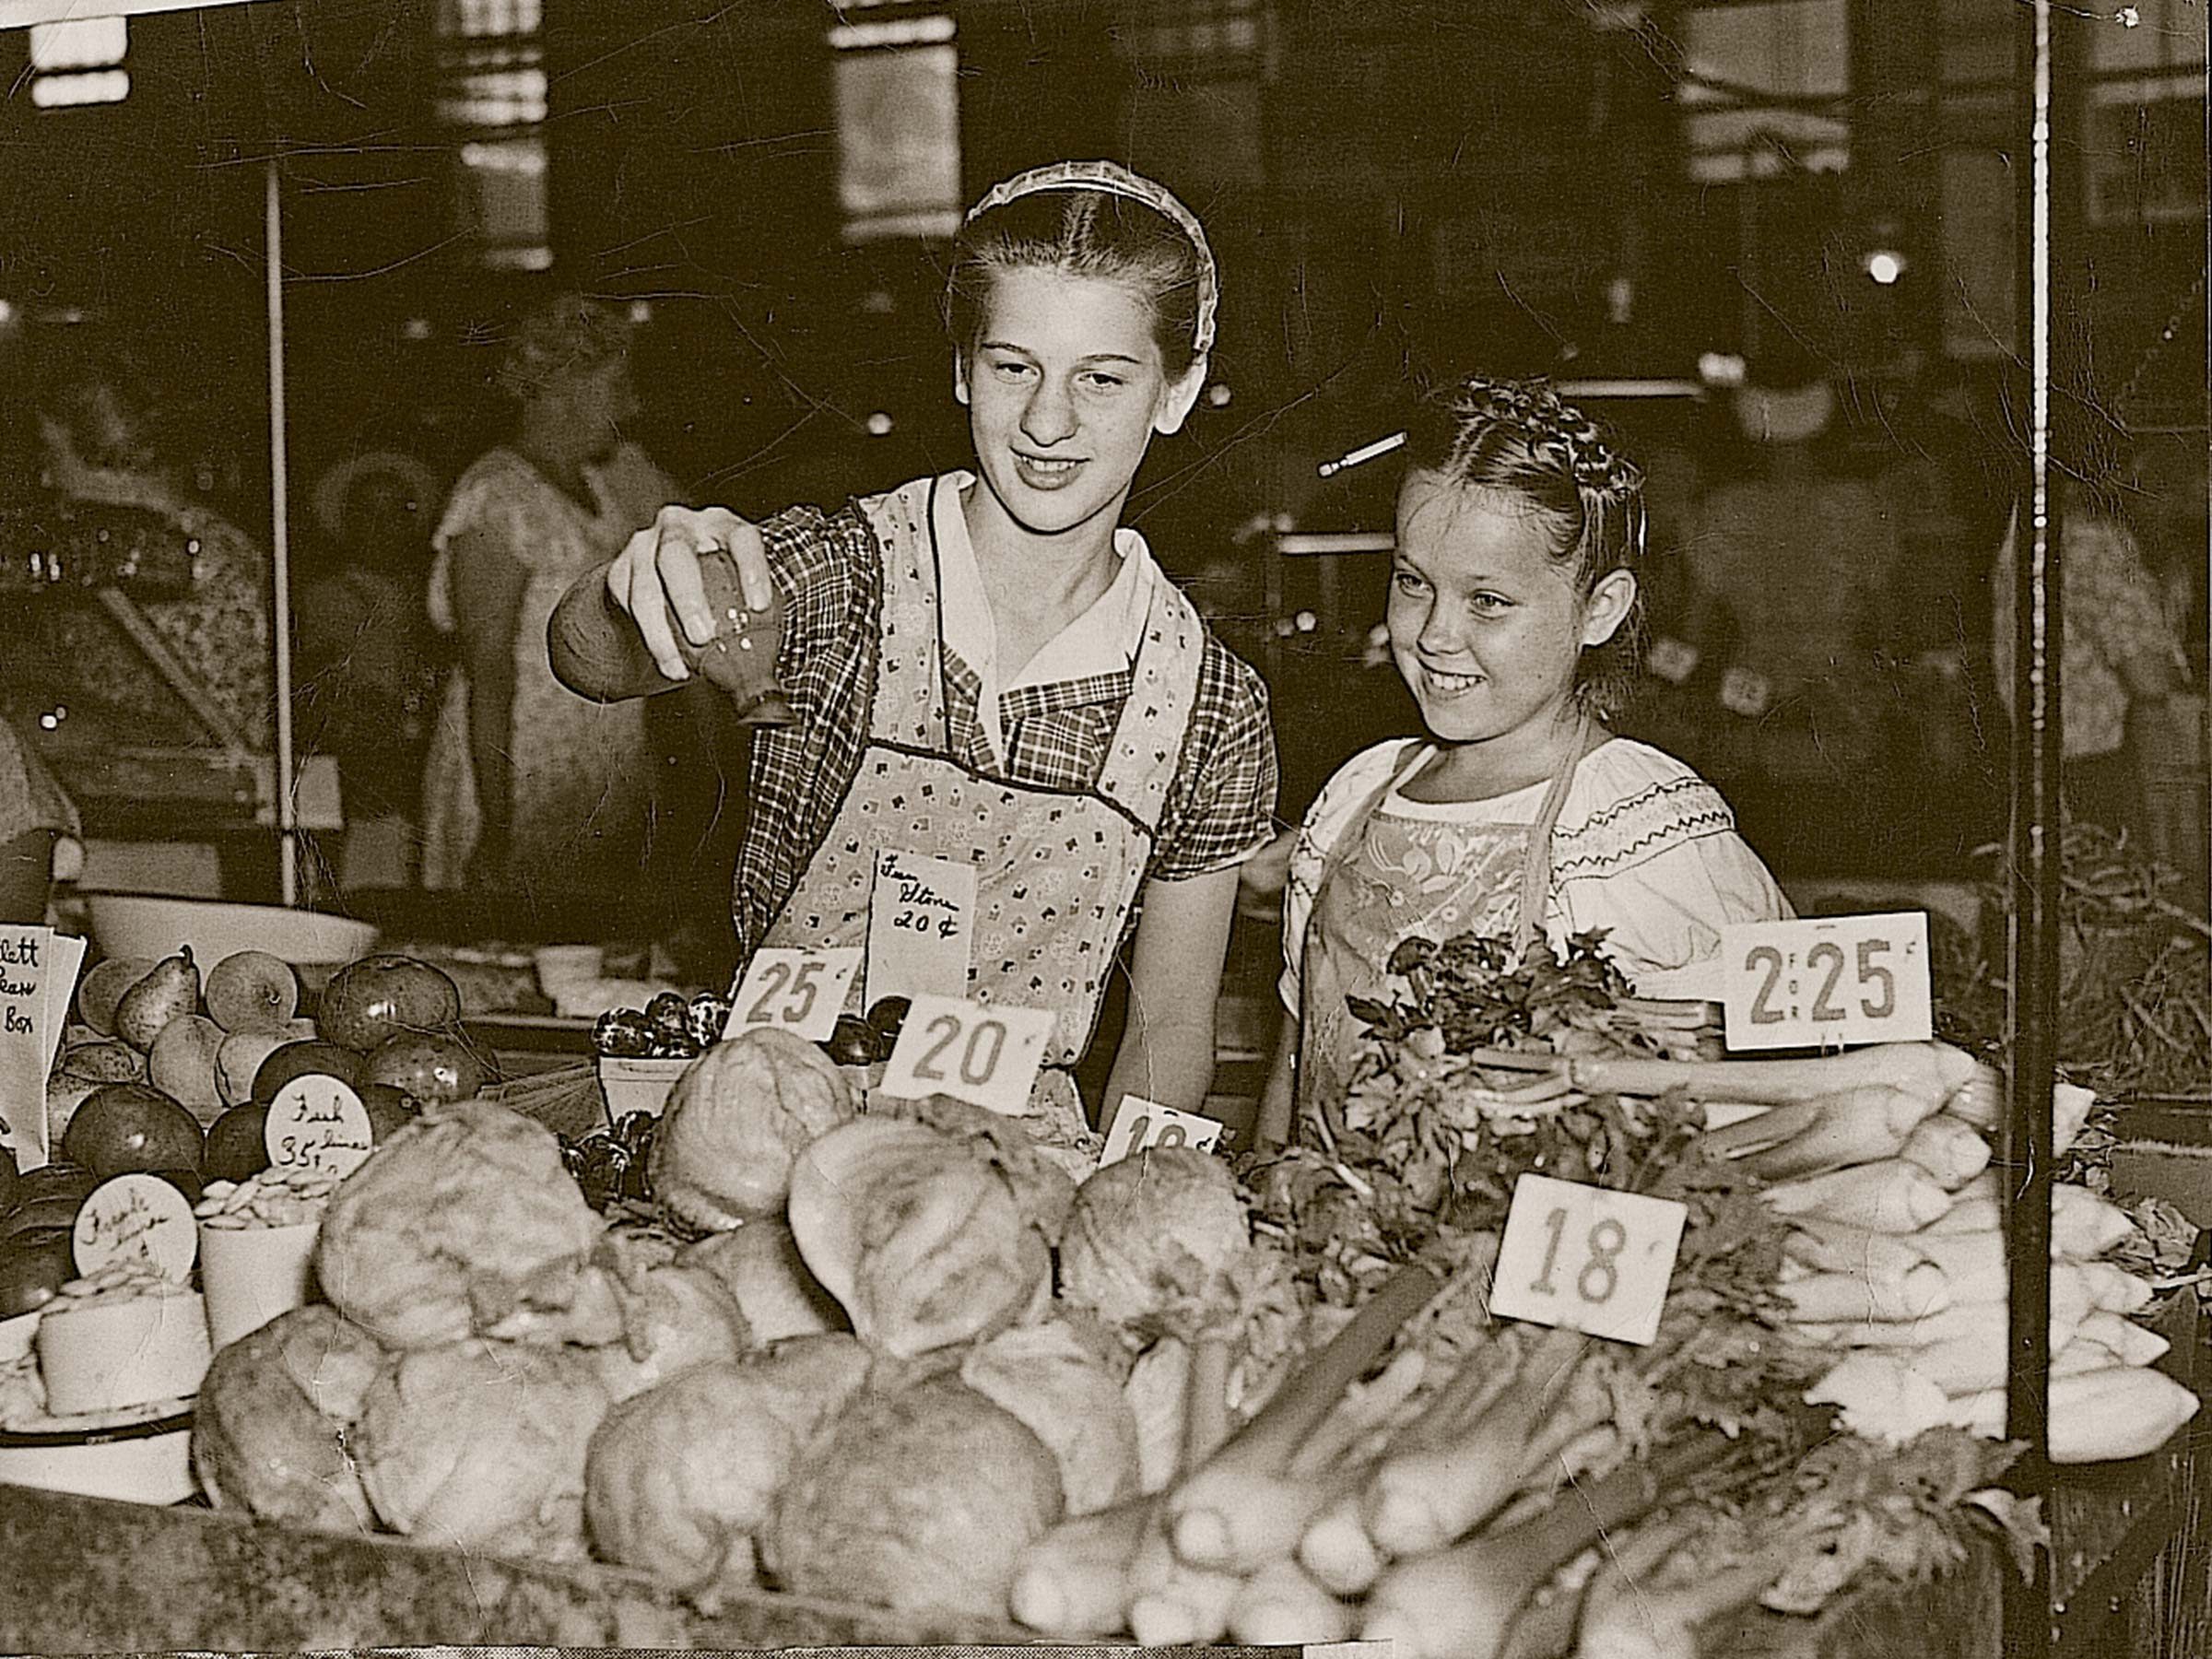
[(985, 1054), (136, 1219), (1586, 1258), (921, 914), (317, 1123)]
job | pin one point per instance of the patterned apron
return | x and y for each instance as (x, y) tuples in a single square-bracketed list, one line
[(1057, 872), (1381, 884)]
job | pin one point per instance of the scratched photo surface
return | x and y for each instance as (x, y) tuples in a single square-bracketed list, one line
[(281, 271)]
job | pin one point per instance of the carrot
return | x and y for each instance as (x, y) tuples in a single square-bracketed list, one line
[(1832, 1297), (2114, 1290), (1889, 1196), (1242, 1508), (1462, 1603), (2082, 1224), (1428, 1493), (1837, 1247), (2097, 1416), (2135, 1345), (1073, 1581), (1828, 1131), (1949, 1148), (1934, 1070), (1283, 1605)]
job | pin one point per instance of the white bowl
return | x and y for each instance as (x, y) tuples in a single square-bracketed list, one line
[(148, 1461), (136, 924)]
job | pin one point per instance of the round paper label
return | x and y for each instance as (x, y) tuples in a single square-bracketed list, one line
[(317, 1123), (136, 1217)]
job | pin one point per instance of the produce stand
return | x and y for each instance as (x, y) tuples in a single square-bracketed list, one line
[(2129, 1570)]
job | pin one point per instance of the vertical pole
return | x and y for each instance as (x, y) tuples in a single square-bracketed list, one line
[(280, 553), (2047, 229)]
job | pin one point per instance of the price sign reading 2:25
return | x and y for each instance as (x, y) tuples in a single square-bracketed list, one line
[(987, 1055), (1586, 1258), (1827, 981), (803, 991)]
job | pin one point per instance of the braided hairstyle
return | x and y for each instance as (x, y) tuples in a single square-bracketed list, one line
[(1516, 438)]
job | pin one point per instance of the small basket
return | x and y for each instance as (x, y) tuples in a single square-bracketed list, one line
[(637, 1085)]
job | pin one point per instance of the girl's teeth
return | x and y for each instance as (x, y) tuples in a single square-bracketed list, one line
[(1454, 682), (1042, 465)]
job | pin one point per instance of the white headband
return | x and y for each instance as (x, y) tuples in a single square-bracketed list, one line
[(1113, 179)]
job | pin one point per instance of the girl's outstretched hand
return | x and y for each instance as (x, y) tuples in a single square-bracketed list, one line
[(656, 578)]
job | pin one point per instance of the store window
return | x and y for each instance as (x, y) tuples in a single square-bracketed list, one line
[(897, 80), (79, 62), (1194, 111), (492, 99), (1764, 88), (2146, 151)]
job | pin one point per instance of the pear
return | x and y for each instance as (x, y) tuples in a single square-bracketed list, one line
[(103, 987), (104, 1061), (239, 1058), (181, 1064), (251, 988), (173, 988)]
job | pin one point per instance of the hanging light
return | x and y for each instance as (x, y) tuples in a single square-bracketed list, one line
[(1883, 266)]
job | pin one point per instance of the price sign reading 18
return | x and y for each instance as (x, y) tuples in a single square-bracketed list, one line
[(1827, 981), (985, 1054), (1586, 1258), (1140, 1124), (801, 991)]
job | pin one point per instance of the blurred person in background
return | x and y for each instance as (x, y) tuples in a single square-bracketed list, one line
[(101, 444), (1805, 559), (528, 785), (2123, 673), (40, 834), (367, 658)]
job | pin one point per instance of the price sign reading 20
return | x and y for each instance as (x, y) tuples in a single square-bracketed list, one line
[(985, 1054), (1827, 981)]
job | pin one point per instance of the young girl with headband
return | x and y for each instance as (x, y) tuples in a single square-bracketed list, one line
[(988, 667), (1513, 618)]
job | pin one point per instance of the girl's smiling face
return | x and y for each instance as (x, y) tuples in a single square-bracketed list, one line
[(1487, 625), (1065, 387)]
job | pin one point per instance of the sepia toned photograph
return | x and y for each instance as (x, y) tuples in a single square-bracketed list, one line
[(949, 826)]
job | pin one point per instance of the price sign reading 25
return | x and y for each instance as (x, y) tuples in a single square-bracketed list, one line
[(1827, 981), (1587, 1258), (985, 1054), (801, 991)]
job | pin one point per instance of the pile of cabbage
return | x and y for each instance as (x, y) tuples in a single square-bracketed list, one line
[(871, 1357)]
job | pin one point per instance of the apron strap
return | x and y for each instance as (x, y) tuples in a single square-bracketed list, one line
[(1146, 749), (1535, 862)]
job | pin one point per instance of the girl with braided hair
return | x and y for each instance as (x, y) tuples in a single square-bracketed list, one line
[(988, 668), (1513, 618)]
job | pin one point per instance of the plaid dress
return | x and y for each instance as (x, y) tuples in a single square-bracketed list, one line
[(829, 568)]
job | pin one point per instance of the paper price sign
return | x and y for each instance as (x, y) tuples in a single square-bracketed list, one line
[(921, 912), (317, 1123), (801, 991), (1140, 1124), (1827, 981), (1586, 1258), (136, 1219), (980, 1053), (29, 1029)]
